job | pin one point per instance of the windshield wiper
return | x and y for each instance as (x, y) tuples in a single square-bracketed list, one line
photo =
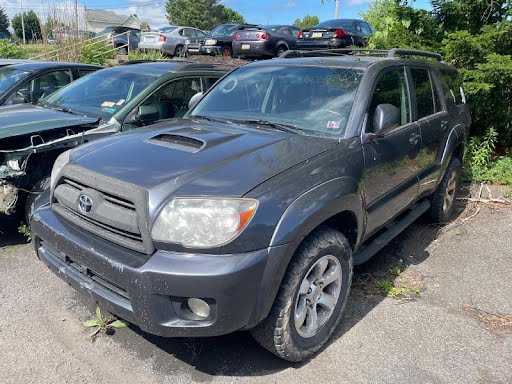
[(67, 110), (280, 126), (210, 118)]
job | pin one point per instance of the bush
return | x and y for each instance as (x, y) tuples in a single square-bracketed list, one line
[(96, 53), (10, 50), (152, 55)]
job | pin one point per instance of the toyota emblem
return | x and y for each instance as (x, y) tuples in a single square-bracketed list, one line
[(84, 203)]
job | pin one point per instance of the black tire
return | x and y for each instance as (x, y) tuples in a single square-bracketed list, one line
[(441, 208), (33, 197), (226, 52), (179, 51), (278, 333), (122, 51), (280, 50)]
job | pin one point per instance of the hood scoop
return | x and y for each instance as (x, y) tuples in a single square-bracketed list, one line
[(179, 142)]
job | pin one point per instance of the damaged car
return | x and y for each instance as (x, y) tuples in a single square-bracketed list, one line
[(25, 81), (106, 102), (250, 212)]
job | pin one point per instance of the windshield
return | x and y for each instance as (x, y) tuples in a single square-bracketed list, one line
[(315, 100), (100, 94), (223, 30), (9, 76), (167, 29)]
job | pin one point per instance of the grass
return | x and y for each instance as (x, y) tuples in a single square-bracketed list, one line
[(32, 50)]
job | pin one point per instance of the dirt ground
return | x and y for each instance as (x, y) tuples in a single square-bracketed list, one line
[(447, 318)]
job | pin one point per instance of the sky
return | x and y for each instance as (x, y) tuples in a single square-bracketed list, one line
[(254, 11)]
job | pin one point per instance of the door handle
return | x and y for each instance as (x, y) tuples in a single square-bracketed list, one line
[(414, 138)]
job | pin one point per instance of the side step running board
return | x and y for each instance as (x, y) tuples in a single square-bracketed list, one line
[(392, 230)]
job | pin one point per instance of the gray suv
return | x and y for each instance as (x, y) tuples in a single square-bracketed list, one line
[(250, 212)]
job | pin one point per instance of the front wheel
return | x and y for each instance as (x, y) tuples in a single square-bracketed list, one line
[(226, 52), (280, 50), (443, 199), (311, 299)]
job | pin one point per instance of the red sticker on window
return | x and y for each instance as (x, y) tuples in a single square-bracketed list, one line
[(333, 124)]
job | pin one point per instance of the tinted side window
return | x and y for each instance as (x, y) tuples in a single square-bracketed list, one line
[(391, 89), (424, 92), (48, 83), (85, 72), (366, 29), (452, 85)]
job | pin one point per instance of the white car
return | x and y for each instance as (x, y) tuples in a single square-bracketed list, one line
[(173, 41)]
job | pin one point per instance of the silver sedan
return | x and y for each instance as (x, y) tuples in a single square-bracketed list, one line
[(173, 41)]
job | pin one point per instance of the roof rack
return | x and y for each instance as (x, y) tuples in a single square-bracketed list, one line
[(389, 53)]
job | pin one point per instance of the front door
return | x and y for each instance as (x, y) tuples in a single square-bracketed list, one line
[(390, 182)]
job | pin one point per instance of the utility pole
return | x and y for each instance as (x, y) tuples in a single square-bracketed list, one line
[(337, 10), (76, 17), (23, 23)]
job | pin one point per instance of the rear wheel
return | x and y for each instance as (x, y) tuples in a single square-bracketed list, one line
[(179, 51), (443, 199), (311, 299), (280, 50), (122, 51)]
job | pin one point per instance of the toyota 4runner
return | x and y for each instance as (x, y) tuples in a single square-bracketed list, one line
[(250, 212)]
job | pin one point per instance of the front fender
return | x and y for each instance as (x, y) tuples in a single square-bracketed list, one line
[(317, 205)]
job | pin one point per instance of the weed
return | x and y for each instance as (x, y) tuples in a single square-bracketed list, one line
[(24, 229), (108, 326), (498, 324), (397, 270)]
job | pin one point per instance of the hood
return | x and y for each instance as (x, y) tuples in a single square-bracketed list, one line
[(191, 157), (25, 119)]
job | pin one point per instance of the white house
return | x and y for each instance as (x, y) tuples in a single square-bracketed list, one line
[(96, 21)]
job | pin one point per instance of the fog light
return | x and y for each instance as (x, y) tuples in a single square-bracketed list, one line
[(199, 307)]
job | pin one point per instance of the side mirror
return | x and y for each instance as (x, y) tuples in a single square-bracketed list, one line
[(194, 100), (143, 115), (386, 117)]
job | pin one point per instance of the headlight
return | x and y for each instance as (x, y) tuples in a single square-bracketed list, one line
[(210, 42), (60, 163), (203, 222)]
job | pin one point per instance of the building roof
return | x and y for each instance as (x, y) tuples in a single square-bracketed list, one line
[(107, 17)]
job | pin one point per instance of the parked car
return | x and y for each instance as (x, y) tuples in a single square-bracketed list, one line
[(6, 62), (172, 41), (28, 81), (61, 35), (264, 41), (112, 100), (5, 36), (219, 40), (125, 39), (251, 211), (338, 33)]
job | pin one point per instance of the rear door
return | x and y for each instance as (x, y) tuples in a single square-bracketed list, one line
[(390, 183), (432, 116)]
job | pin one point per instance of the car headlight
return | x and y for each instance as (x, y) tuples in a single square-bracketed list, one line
[(203, 222), (210, 42), (60, 163)]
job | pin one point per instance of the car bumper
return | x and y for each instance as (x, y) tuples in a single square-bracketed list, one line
[(151, 293), (212, 50), (160, 46), (256, 49), (323, 44)]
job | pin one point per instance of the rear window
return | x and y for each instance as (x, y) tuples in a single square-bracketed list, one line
[(167, 29), (346, 24)]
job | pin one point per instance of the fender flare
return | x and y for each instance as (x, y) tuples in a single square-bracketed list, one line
[(317, 205)]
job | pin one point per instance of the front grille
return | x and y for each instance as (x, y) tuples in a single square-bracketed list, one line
[(112, 215)]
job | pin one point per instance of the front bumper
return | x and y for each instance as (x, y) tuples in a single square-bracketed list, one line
[(212, 50), (149, 291)]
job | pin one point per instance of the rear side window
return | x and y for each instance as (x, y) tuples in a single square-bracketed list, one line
[(427, 98), (452, 87)]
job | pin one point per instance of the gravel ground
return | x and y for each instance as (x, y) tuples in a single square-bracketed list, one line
[(451, 322)]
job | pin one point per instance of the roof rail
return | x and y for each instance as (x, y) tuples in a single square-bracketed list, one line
[(414, 52), (200, 66), (142, 61), (391, 53)]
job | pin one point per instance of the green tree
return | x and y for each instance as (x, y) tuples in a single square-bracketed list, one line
[(32, 26), (4, 22), (307, 22), (470, 15), (202, 14)]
